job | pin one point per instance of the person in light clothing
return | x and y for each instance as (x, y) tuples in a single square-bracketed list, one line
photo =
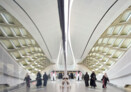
[(65, 84)]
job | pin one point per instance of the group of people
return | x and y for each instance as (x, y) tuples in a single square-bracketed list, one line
[(61, 75), (93, 79), (38, 80)]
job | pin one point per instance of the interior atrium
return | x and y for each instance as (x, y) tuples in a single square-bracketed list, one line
[(86, 36)]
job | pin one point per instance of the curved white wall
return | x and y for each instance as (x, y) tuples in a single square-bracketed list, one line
[(8, 68)]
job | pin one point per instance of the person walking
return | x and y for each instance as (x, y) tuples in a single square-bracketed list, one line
[(105, 79), (27, 79), (39, 80), (93, 79), (45, 79), (86, 79)]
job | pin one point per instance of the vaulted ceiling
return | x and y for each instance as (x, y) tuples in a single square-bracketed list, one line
[(89, 19)]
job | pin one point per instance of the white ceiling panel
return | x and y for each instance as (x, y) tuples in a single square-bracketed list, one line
[(84, 17)]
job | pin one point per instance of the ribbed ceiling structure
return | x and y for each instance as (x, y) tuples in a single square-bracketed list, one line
[(112, 44), (30, 32), (20, 44)]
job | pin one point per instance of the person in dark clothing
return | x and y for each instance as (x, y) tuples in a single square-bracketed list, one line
[(39, 80), (45, 79), (72, 76), (86, 79), (93, 79), (104, 80), (27, 79), (60, 75)]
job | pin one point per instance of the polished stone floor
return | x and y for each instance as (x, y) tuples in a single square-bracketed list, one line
[(76, 86)]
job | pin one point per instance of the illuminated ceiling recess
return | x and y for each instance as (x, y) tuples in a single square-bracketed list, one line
[(112, 44), (19, 43)]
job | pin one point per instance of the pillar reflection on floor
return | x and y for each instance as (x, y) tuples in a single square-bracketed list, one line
[(76, 86)]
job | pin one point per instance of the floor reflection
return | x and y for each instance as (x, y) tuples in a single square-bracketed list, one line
[(76, 86)]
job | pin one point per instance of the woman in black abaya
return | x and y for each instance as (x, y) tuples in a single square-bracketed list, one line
[(93, 80), (105, 79), (39, 80), (86, 79)]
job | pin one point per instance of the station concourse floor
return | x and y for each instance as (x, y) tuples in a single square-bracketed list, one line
[(76, 86)]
